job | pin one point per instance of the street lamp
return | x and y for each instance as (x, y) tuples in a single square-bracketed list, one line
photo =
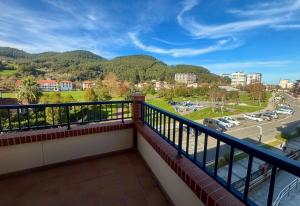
[(260, 134)]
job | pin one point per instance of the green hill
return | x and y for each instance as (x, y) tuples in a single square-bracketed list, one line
[(82, 65), (13, 53)]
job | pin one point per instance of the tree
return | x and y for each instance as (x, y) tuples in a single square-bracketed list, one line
[(90, 95), (214, 94), (234, 96), (167, 94), (111, 83), (29, 91), (102, 92), (56, 114), (124, 88), (257, 92)]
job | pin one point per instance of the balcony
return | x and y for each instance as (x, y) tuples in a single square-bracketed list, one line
[(127, 153)]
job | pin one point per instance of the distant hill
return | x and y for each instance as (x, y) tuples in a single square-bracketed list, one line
[(81, 65), (13, 53)]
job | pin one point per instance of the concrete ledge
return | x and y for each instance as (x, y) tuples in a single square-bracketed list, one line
[(31, 136)]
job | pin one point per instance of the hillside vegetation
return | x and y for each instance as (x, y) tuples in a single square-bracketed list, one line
[(82, 65)]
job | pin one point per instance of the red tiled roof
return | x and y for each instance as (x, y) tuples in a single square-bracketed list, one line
[(88, 82), (18, 82), (66, 81), (46, 81)]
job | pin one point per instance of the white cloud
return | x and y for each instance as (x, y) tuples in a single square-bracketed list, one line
[(223, 44), (286, 26), (262, 15), (224, 67)]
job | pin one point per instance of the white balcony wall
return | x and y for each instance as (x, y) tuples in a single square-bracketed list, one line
[(31, 155), (176, 189)]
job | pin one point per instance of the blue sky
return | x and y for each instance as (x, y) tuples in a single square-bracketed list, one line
[(223, 35)]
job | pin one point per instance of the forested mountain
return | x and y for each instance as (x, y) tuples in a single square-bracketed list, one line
[(13, 53), (82, 65)]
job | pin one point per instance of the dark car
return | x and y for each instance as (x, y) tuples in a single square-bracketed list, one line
[(212, 123)]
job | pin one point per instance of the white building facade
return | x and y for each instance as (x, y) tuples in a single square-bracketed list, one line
[(238, 78), (48, 85), (285, 84), (65, 85), (254, 78), (243, 79), (185, 78)]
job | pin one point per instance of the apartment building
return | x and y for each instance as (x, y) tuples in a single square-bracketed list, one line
[(50, 85), (285, 84), (238, 78), (241, 78), (254, 78), (87, 84), (65, 85), (185, 78)]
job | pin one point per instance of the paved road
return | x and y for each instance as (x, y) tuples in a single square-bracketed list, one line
[(249, 131), (270, 129)]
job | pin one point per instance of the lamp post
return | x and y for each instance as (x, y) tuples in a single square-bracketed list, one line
[(260, 133)]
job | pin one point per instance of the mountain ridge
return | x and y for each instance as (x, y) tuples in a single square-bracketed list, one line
[(82, 65)]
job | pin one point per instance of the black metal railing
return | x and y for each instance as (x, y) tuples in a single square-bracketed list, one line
[(41, 116), (209, 149)]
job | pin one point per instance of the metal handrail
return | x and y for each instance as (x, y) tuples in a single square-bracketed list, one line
[(159, 121), (286, 191), (42, 116)]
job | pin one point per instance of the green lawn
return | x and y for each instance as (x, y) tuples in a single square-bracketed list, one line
[(9, 95), (77, 95), (252, 106), (7, 72), (162, 104)]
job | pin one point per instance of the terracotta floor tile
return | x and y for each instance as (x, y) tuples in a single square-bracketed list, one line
[(116, 180)]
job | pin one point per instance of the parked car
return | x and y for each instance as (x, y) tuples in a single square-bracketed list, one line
[(212, 123), (265, 116), (232, 120), (225, 123), (253, 117), (274, 115), (284, 111), (286, 108)]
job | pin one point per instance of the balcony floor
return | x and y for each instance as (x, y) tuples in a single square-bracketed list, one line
[(121, 179)]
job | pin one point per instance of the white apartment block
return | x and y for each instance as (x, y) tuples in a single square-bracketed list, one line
[(238, 78), (285, 84), (254, 78), (241, 78), (66, 85), (49, 85), (186, 78)]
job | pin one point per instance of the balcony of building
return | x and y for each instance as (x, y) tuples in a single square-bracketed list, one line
[(124, 153)]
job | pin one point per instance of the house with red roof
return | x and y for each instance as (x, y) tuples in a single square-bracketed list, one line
[(87, 84), (49, 85)]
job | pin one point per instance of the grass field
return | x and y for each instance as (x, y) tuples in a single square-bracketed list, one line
[(77, 95), (7, 72), (251, 106), (162, 104)]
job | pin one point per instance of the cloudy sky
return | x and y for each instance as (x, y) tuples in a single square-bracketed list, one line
[(223, 35)]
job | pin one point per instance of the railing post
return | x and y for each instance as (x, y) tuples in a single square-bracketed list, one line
[(180, 140), (68, 117), (137, 106), (137, 99), (122, 112)]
